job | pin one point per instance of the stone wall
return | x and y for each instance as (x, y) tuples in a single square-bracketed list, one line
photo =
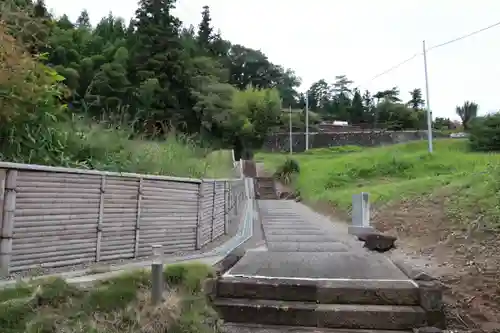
[(280, 141)]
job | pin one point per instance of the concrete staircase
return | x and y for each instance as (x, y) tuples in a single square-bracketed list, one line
[(247, 302), (265, 188)]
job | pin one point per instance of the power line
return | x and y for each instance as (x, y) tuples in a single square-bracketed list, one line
[(433, 48), (464, 36), (394, 67)]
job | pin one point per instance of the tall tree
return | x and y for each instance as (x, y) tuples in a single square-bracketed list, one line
[(40, 9), (83, 21), (416, 101), (357, 109), (341, 86), (205, 30), (159, 55), (467, 112), (389, 95)]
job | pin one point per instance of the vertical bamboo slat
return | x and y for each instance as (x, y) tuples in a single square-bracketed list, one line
[(138, 218), (213, 213), (8, 179), (100, 219), (226, 216), (199, 217)]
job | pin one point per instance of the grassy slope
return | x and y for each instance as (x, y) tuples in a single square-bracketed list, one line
[(400, 172), (98, 147), (121, 304)]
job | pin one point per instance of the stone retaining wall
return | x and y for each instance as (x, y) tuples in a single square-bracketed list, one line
[(280, 141)]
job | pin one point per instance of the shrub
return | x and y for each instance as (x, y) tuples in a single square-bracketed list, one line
[(287, 170), (485, 133)]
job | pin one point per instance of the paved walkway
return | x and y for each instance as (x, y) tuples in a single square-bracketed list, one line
[(303, 244)]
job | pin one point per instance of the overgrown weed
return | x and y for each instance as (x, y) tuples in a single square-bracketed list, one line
[(121, 304)]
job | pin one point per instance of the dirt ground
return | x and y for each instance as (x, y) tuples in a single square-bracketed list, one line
[(465, 260)]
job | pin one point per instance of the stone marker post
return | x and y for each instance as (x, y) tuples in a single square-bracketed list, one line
[(157, 283), (360, 215)]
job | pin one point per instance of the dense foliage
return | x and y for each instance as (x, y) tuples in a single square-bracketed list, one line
[(484, 133)]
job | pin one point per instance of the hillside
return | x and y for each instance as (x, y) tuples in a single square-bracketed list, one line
[(443, 208), (153, 96)]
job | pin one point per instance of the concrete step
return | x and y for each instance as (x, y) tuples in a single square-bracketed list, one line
[(363, 292), (268, 194), (267, 189), (254, 328), (349, 316)]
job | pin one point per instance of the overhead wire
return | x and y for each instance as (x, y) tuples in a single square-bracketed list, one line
[(430, 49)]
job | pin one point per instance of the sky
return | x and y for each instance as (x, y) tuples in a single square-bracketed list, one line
[(320, 39)]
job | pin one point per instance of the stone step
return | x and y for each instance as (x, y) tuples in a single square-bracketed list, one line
[(267, 189), (349, 316), (363, 292), (254, 328), (268, 193)]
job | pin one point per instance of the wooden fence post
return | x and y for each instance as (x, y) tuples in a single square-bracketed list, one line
[(8, 179), (138, 218), (213, 213), (199, 217), (100, 219)]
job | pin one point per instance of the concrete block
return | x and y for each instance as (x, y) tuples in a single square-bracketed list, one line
[(267, 312), (359, 230), (431, 295), (431, 300), (267, 289), (412, 272), (364, 292), (372, 317), (210, 288)]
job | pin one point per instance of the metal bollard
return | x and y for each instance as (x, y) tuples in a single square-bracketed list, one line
[(157, 282)]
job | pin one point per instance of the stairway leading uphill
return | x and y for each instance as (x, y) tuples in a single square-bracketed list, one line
[(309, 278), (265, 188)]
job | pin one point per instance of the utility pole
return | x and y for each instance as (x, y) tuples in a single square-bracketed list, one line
[(307, 120), (429, 113), (290, 125)]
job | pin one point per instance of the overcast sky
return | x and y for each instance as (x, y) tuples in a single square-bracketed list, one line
[(358, 38)]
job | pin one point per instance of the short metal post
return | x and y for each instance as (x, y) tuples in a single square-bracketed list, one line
[(157, 282), (360, 215)]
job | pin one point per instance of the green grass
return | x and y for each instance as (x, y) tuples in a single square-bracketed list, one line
[(121, 304), (108, 148), (400, 172)]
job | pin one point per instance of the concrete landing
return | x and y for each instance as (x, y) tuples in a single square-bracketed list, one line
[(318, 265), (305, 245)]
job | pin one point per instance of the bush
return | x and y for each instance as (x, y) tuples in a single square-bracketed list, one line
[(484, 133), (286, 171)]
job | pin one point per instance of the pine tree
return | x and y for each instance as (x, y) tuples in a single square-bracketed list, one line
[(83, 21), (205, 30), (159, 55), (40, 9), (356, 110)]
